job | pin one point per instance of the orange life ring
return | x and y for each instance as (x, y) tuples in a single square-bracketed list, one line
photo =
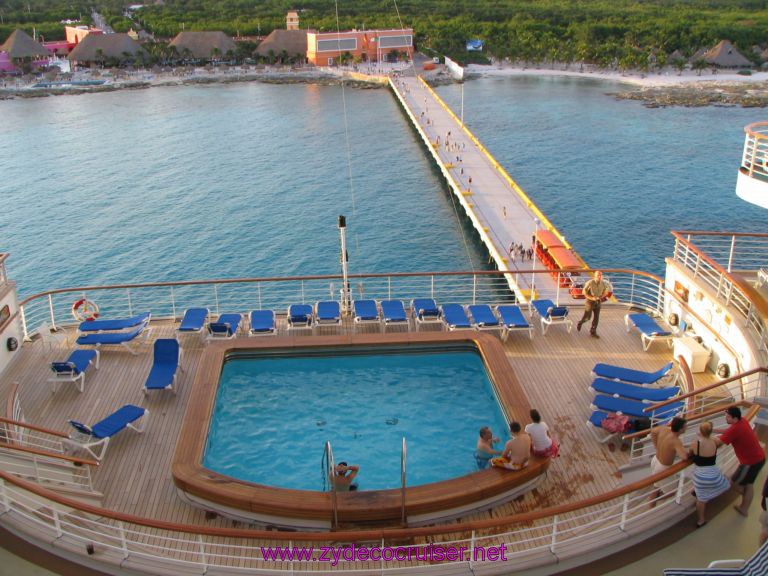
[(85, 310)]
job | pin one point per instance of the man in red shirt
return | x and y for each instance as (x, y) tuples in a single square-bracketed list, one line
[(749, 451)]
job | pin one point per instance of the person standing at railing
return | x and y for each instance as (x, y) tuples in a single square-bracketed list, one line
[(749, 451), (594, 291), (708, 481)]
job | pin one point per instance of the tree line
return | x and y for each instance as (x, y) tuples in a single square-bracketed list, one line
[(608, 33)]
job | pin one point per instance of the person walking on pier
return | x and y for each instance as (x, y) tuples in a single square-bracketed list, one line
[(594, 292)]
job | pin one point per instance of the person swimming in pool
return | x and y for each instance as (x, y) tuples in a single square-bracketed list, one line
[(485, 450), (343, 475)]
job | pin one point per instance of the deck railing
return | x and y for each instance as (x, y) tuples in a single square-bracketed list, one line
[(754, 160), (170, 299), (713, 256), (3, 272), (545, 537)]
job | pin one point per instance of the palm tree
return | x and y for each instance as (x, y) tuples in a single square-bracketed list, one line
[(679, 65), (699, 65)]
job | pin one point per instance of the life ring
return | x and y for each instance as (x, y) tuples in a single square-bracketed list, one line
[(723, 370), (673, 319), (85, 310)]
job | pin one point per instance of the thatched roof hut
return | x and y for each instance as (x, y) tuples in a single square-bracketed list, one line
[(294, 42), (203, 45), (700, 54), (20, 46), (98, 47), (725, 55)]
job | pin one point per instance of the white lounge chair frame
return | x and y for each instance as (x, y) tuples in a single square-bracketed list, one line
[(547, 321), (97, 447), (505, 330), (64, 378)]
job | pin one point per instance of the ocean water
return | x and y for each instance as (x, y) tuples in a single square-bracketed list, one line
[(248, 180), (614, 176), (364, 404)]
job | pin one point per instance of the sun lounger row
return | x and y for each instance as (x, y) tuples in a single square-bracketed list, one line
[(111, 333)]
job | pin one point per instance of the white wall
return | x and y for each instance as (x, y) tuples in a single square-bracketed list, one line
[(13, 330)]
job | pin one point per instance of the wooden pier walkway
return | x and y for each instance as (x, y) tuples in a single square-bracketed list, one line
[(499, 209)]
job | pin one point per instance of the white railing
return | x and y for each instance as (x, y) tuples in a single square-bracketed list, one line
[(712, 256), (46, 470), (754, 160), (169, 300), (537, 539), (3, 272)]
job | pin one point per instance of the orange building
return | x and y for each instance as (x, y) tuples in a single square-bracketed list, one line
[(76, 34), (325, 48)]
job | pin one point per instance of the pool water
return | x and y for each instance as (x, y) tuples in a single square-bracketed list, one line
[(273, 416)]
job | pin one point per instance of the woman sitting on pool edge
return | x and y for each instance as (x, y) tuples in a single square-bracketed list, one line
[(517, 452), (343, 481), (485, 450)]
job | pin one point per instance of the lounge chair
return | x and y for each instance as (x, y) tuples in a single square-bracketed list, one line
[(193, 321), (95, 439), (113, 325), (115, 338), (454, 317), (482, 317), (299, 316), (513, 319), (635, 376), (551, 315), (595, 425), (225, 327), (632, 391), (393, 313), (755, 566), (424, 311), (73, 369), (166, 362), (327, 313), (262, 323), (636, 409), (365, 312), (650, 331)]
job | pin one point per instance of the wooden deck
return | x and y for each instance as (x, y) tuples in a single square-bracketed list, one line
[(135, 476)]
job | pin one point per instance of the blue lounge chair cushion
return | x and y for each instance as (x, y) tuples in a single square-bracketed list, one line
[(482, 315), (365, 310), (328, 310), (455, 317), (393, 311), (299, 314), (118, 324), (110, 337), (425, 308), (597, 417), (112, 424), (165, 364), (512, 317), (77, 363), (635, 408), (629, 375), (547, 309), (194, 320), (647, 325), (633, 391), (226, 324), (262, 321)]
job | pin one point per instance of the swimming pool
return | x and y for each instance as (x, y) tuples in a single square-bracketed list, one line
[(275, 411)]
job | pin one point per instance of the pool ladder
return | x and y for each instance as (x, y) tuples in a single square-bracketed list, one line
[(330, 467)]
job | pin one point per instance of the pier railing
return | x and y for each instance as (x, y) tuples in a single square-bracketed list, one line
[(170, 299), (720, 260)]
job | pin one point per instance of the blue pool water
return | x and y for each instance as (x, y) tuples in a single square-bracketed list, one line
[(273, 416), (247, 180)]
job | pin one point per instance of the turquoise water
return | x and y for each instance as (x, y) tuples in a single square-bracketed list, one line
[(248, 180), (273, 417), (614, 176)]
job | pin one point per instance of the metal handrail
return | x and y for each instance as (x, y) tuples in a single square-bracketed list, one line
[(403, 456), (330, 472)]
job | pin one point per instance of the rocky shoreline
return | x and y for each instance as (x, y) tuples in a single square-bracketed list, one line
[(746, 95)]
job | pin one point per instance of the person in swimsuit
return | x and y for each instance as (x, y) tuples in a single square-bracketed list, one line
[(517, 452), (343, 476), (485, 450)]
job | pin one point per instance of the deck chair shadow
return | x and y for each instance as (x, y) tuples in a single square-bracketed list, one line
[(74, 368), (165, 366), (95, 439)]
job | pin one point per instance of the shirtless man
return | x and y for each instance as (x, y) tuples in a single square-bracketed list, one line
[(517, 451), (343, 475), (666, 440), (485, 450)]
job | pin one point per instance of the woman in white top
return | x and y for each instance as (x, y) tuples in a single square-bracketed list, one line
[(543, 443)]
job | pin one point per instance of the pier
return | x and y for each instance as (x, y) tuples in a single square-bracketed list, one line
[(499, 209)]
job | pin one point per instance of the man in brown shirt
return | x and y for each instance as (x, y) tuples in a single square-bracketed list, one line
[(594, 291)]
